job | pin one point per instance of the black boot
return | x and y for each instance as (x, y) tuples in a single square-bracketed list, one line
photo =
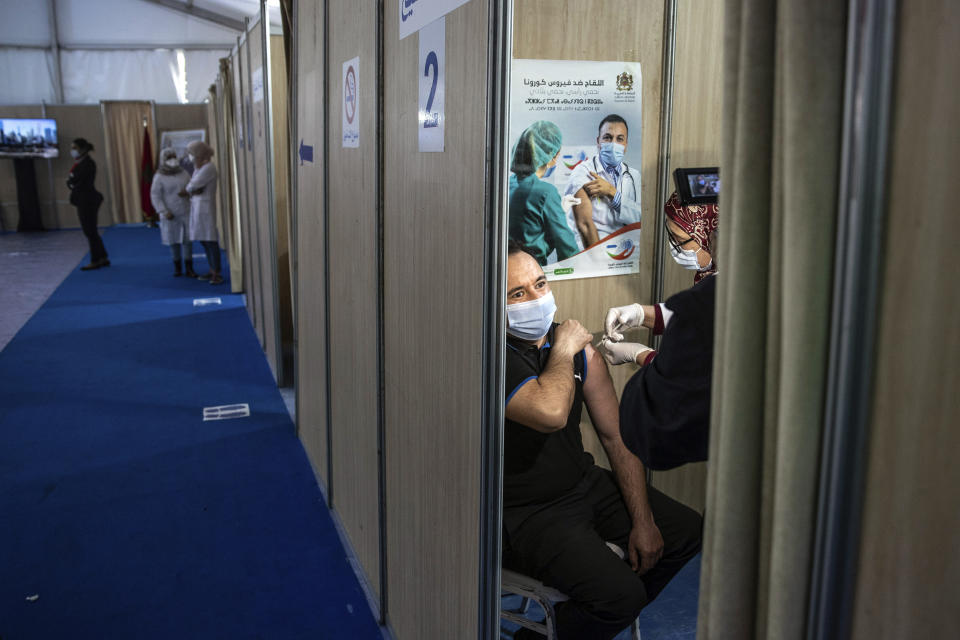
[(190, 273), (177, 269)]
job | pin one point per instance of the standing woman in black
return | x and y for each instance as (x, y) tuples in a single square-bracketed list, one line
[(85, 197)]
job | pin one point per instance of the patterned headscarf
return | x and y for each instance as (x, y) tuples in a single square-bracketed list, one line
[(700, 221)]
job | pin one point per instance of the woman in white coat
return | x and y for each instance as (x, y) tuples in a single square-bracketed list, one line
[(202, 190), (173, 210)]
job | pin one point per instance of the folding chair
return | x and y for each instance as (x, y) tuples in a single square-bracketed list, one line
[(529, 589)]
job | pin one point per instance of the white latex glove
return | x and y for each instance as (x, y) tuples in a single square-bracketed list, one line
[(621, 352), (567, 202), (618, 318)]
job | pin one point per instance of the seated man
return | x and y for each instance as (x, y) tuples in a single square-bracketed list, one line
[(560, 509)]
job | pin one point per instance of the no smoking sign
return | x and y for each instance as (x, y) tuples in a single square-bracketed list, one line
[(351, 103)]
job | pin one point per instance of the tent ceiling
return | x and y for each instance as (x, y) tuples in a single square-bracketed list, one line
[(128, 23)]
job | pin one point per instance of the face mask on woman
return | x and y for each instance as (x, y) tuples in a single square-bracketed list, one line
[(171, 162), (531, 320), (193, 159), (686, 258), (611, 153), (74, 154)]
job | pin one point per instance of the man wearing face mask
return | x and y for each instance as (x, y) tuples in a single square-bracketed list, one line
[(665, 406), (608, 189), (560, 509)]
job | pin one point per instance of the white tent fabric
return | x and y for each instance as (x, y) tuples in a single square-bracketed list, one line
[(133, 22), (202, 70), (27, 76), (22, 26), (92, 76), (117, 49)]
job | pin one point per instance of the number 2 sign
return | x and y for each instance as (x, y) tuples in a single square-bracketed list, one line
[(431, 68)]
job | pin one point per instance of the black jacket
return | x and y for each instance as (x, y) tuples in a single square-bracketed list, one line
[(665, 407), (80, 181)]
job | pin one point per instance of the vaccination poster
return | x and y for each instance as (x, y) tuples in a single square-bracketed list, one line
[(577, 96), (178, 141)]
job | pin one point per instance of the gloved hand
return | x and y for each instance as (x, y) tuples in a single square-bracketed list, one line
[(628, 317), (567, 202), (621, 352)]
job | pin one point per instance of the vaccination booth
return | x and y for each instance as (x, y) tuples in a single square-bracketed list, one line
[(403, 118)]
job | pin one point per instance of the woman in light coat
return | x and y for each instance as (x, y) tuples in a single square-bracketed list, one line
[(173, 210), (202, 191)]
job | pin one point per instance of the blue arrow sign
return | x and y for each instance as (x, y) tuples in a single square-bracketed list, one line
[(306, 153)]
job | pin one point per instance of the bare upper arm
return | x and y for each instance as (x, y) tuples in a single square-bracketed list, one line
[(533, 405), (600, 396), (583, 212)]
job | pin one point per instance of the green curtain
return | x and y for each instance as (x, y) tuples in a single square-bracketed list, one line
[(909, 562), (782, 120)]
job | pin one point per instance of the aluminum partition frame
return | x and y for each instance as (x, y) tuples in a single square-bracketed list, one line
[(294, 115), (663, 161), (248, 138), (239, 114), (499, 58), (326, 248), (271, 187), (381, 318), (861, 221)]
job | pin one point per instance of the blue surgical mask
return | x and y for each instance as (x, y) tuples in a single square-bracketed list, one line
[(531, 320), (611, 153)]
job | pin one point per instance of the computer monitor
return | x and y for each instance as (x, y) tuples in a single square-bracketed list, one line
[(28, 138), (699, 185)]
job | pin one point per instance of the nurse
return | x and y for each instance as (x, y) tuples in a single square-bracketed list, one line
[(202, 190), (665, 406), (173, 211), (538, 221)]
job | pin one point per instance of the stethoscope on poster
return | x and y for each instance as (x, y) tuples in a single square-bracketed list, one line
[(626, 172)]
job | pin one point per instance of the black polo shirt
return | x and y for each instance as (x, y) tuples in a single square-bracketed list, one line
[(540, 467)]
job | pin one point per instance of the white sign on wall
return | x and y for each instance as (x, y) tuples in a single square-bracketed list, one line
[(416, 14), (256, 83), (350, 106), (430, 112)]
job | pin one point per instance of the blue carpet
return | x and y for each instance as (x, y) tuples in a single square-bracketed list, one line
[(122, 513)]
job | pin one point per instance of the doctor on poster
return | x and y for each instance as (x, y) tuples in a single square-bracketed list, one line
[(607, 187), (597, 107)]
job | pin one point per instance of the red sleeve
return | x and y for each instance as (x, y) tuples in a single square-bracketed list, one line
[(658, 323)]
